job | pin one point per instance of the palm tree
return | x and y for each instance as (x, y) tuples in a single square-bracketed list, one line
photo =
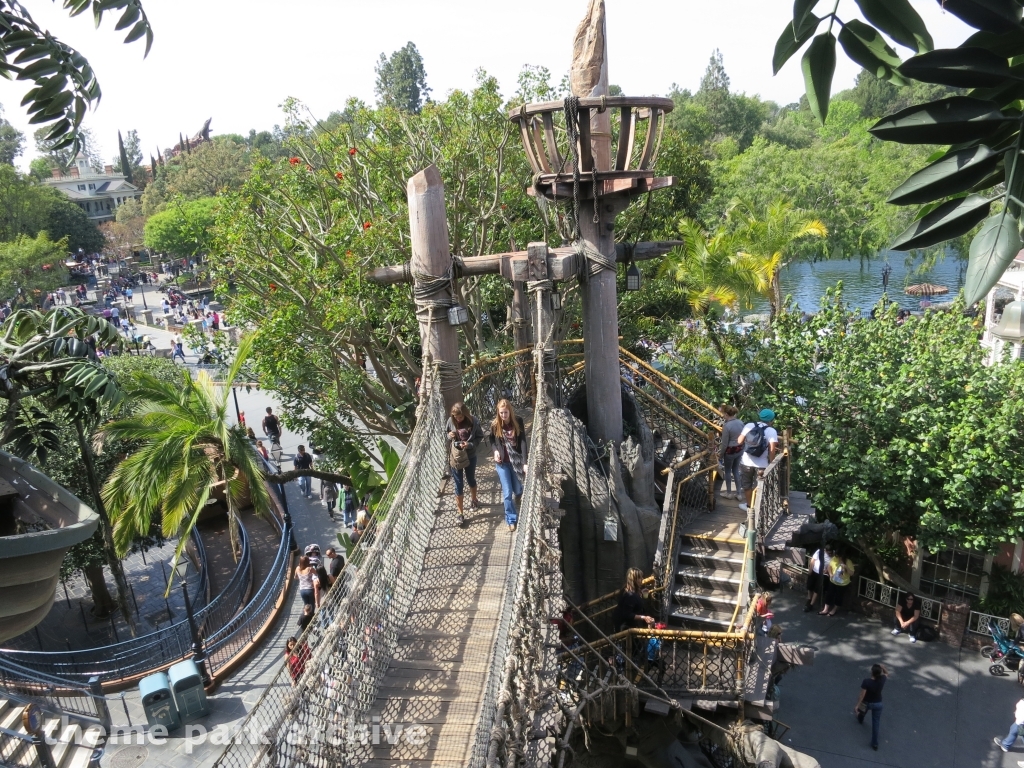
[(187, 446), (766, 240), (709, 273)]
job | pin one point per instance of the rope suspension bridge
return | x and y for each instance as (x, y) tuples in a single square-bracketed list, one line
[(448, 646)]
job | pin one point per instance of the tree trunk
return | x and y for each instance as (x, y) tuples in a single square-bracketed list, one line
[(102, 603), (236, 546), (776, 297), (113, 562)]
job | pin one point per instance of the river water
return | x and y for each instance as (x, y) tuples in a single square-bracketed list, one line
[(862, 281)]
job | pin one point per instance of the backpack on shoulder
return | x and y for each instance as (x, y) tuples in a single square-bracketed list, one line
[(755, 443)]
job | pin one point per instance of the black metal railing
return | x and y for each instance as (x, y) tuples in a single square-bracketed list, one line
[(151, 651)]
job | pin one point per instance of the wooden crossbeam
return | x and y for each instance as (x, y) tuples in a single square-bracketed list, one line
[(514, 265)]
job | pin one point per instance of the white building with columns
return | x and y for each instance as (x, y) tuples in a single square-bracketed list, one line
[(98, 194)]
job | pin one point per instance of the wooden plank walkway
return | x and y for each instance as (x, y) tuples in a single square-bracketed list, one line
[(437, 674)]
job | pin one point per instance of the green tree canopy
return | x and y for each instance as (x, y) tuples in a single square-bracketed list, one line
[(68, 221), (209, 169), (129, 158), (183, 228), (402, 80), (32, 264), (12, 141)]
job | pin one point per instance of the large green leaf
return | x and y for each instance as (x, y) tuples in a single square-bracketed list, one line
[(992, 250), (801, 10), (790, 42), (996, 16), (958, 67), (866, 46), (949, 220), (898, 20), (946, 121), (956, 172), (1008, 44), (819, 64)]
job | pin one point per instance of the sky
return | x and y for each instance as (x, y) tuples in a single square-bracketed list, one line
[(238, 60)]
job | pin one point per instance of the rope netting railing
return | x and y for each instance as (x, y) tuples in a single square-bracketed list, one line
[(348, 647), (771, 501), (523, 668)]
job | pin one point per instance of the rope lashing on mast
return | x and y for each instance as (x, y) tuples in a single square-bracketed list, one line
[(589, 261)]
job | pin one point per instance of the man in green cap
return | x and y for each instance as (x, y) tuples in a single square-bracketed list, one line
[(760, 441)]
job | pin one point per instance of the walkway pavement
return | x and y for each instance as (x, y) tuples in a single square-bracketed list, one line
[(942, 707), (71, 625)]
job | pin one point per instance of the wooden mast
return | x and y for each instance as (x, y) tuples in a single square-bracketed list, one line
[(431, 258), (589, 77)]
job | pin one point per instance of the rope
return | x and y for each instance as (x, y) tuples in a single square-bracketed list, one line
[(590, 261), (571, 106)]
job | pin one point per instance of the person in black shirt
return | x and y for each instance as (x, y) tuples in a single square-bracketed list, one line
[(871, 699), (337, 563), (629, 613), (303, 460), (908, 617), (272, 426), (305, 617)]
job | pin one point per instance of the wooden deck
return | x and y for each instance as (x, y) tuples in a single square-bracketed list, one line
[(437, 674)]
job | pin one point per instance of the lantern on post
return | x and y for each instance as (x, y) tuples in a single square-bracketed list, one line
[(556, 300), (457, 315), (633, 277)]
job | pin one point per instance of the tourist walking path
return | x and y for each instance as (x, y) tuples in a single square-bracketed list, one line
[(941, 706)]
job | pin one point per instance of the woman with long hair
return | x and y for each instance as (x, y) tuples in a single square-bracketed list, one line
[(464, 432), (508, 441), (305, 574), (871, 699), (629, 613)]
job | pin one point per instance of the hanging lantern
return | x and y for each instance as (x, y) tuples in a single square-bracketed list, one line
[(633, 278), (457, 315), (556, 301), (1011, 325)]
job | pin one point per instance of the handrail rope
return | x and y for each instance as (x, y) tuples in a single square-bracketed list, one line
[(702, 416), (668, 379), (739, 591), (663, 408)]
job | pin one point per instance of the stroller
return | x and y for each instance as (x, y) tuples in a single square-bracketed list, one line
[(1004, 654)]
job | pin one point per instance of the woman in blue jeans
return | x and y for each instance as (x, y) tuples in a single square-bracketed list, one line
[(508, 441), (464, 431), (871, 699)]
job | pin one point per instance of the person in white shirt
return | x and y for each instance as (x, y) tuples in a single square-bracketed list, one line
[(760, 443), (1015, 729)]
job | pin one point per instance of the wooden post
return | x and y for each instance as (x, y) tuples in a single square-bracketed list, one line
[(589, 77), (544, 316), (431, 257)]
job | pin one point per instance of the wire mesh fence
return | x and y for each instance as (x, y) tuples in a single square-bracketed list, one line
[(770, 500)]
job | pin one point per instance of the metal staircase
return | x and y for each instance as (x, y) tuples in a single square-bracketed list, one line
[(60, 742)]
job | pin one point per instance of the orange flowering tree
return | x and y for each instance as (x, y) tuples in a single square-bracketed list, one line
[(293, 246)]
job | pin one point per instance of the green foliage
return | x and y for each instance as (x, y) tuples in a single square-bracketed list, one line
[(183, 228), (843, 182), (1005, 593), (295, 244), (61, 155), (12, 141), (65, 220), (32, 264), (900, 428), (129, 158), (186, 445), (213, 167), (64, 85), (988, 116), (402, 80)]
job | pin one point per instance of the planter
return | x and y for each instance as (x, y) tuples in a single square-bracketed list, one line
[(42, 521)]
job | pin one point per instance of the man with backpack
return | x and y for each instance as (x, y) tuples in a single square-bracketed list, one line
[(760, 442)]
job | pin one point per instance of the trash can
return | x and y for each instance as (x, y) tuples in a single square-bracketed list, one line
[(187, 685), (157, 701)]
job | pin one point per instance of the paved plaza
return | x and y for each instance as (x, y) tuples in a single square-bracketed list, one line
[(941, 706)]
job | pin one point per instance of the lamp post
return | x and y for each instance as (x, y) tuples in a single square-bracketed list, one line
[(198, 652), (238, 414)]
